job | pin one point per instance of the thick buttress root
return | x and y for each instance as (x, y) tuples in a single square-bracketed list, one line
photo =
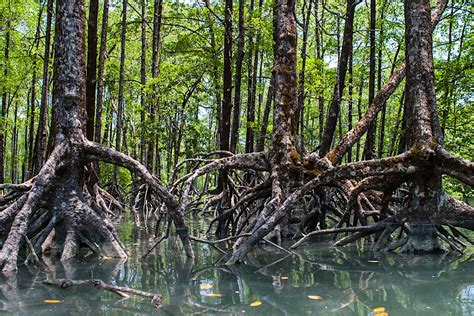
[(55, 213)]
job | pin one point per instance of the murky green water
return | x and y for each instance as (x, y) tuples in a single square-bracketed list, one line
[(347, 282)]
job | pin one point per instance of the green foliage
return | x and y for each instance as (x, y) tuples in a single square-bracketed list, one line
[(191, 53)]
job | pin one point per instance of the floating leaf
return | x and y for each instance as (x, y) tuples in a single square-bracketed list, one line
[(284, 278), (315, 297), (52, 301), (205, 286), (255, 303), (213, 295)]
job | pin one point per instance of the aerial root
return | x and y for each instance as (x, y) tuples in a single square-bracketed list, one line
[(99, 152)]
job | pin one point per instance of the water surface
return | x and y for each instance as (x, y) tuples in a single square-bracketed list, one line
[(317, 280)]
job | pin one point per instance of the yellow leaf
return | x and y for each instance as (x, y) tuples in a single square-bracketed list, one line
[(380, 314), (213, 295), (255, 303), (315, 297), (205, 286), (52, 301), (284, 278), (379, 309)]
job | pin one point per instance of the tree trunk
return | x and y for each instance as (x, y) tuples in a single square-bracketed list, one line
[(369, 148), (250, 90), (40, 143), (31, 112), (351, 102), (425, 195), (319, 54), (226, 109), (334, 108), (3, 112), (301, 92), (100, 72), (379, 79), (121, 98), (266, 115), (91, 66), (282, 150), (153, 155), (14, 146), (234, 137), (143, 82)]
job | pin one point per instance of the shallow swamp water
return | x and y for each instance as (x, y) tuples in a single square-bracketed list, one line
[(317, 280)]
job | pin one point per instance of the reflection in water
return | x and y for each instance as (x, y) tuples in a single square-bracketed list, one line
[(317, 280)]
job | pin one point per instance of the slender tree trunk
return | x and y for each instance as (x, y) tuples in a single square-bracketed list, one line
[(121, 98), (249, 135), (396, 130), (369, 148), (266, 115), (216, 73), (31, 112), (40, 143), (334, 108), (379, 80), (234, 138), (100, 72), (319, 55), (14, 146), (359, 115), (351, 101), (153, 155), (91, 66), (143, 82), (3, 112), (306, 12), (225, 114), (227, 92)]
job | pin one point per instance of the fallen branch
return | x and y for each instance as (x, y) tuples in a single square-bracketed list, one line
[(119, 290)]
